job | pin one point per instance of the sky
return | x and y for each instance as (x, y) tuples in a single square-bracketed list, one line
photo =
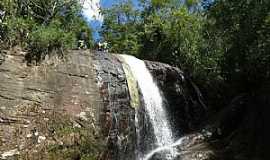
[(91, 12)]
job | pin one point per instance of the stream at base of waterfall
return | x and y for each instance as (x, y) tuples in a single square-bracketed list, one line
[(158, 138)]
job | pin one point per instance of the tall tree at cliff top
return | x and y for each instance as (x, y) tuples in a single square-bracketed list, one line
[(172, 34), (122, 28), (42, 26), (162, 30)]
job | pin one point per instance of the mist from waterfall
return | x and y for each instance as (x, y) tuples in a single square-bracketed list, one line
[(154, 108)]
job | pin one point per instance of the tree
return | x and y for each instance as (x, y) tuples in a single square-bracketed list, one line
[(244, 31), (121, 28), (161, 30)]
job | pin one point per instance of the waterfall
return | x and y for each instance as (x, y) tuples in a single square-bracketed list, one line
[(154, 108)]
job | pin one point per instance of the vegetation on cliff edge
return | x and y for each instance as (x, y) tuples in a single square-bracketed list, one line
[(41, 27)]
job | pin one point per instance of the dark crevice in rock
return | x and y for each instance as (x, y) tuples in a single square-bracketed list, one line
[(29, 99), (4, 70), (74, 75), (7, 98)]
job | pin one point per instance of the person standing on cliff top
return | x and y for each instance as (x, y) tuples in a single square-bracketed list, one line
[(83, 39), (103, 46)]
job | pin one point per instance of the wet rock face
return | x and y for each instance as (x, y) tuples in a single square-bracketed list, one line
[(49, 111), (117, 118), (184, 101)]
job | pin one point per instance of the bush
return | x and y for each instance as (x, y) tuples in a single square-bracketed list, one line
[(35, 26), (47, 39), (17, 30)]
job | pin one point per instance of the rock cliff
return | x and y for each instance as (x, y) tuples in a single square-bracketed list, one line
[(49, 111), (79, 108)]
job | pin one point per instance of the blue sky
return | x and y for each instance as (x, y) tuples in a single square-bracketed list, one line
[(108, 3)]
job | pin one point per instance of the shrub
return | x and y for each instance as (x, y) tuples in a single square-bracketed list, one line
[(47, 39), (42, 27), (17, 30)]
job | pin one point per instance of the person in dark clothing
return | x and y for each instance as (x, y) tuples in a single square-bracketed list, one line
[(83, 39)]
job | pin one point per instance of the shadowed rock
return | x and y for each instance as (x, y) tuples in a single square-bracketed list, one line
[(184, 100)]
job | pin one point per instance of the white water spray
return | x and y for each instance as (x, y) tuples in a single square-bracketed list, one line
[(154, 108), (163, 148)]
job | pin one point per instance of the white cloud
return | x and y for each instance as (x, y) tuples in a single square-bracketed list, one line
[(91, 10)]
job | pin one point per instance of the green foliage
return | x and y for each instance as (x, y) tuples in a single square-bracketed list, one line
[(163, 30), (44, 40), (244, 33), (42, 27), (120, 29), (17, 30), (174, 38), (86, 148)]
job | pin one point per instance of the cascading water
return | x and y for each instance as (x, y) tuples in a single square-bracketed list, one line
[(154, 108)]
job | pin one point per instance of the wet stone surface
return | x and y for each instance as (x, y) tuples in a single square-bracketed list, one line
[(117, 118), (183, 99)]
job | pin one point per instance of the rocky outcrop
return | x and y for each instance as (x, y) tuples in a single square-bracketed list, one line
[(79, 108), (240, 130), (49, 111), (74, 108), (183, 98)]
